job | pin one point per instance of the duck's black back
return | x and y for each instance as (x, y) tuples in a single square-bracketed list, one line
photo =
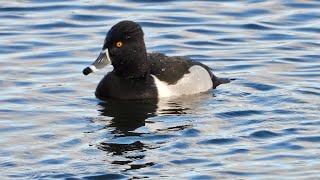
[(171, 69)]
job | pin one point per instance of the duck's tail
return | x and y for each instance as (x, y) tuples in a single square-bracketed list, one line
[(217, 81)]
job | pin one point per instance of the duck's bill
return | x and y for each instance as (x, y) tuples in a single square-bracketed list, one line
[(102, 61)]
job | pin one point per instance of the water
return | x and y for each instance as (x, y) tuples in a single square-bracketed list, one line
[(264, 125)]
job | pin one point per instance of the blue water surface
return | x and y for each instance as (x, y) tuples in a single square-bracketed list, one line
[(264, 125)]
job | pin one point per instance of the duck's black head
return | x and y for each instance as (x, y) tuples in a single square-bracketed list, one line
[(124, 46)]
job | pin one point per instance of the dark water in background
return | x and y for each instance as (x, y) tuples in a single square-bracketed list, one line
[(265, 125)]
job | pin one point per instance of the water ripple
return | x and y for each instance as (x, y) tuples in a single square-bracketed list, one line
[(189, 161), (240, 113), (255, 27), (264, 134), (219, 141), (309, 139)]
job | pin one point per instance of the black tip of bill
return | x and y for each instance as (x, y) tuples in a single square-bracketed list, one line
[(87, 71)]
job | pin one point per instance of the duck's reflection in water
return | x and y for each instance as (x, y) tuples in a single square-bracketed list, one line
[(127, 141), (128, 115)]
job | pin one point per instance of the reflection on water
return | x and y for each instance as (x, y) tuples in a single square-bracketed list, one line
[(264, 125), (129, 116)]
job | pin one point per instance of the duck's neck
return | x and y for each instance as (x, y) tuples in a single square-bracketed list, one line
[(134, 65)]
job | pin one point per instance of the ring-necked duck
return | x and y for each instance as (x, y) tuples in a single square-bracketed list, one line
[(140, 75)]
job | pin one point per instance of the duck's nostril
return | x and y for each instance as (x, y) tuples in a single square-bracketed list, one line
[(87, 71)]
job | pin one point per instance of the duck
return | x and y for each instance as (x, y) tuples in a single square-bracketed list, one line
[(138, 74)]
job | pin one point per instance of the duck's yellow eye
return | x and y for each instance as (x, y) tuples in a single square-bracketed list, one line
[(119, 44)]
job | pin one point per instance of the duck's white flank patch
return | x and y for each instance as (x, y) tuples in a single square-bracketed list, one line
[(162, 87), (197, 81)]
